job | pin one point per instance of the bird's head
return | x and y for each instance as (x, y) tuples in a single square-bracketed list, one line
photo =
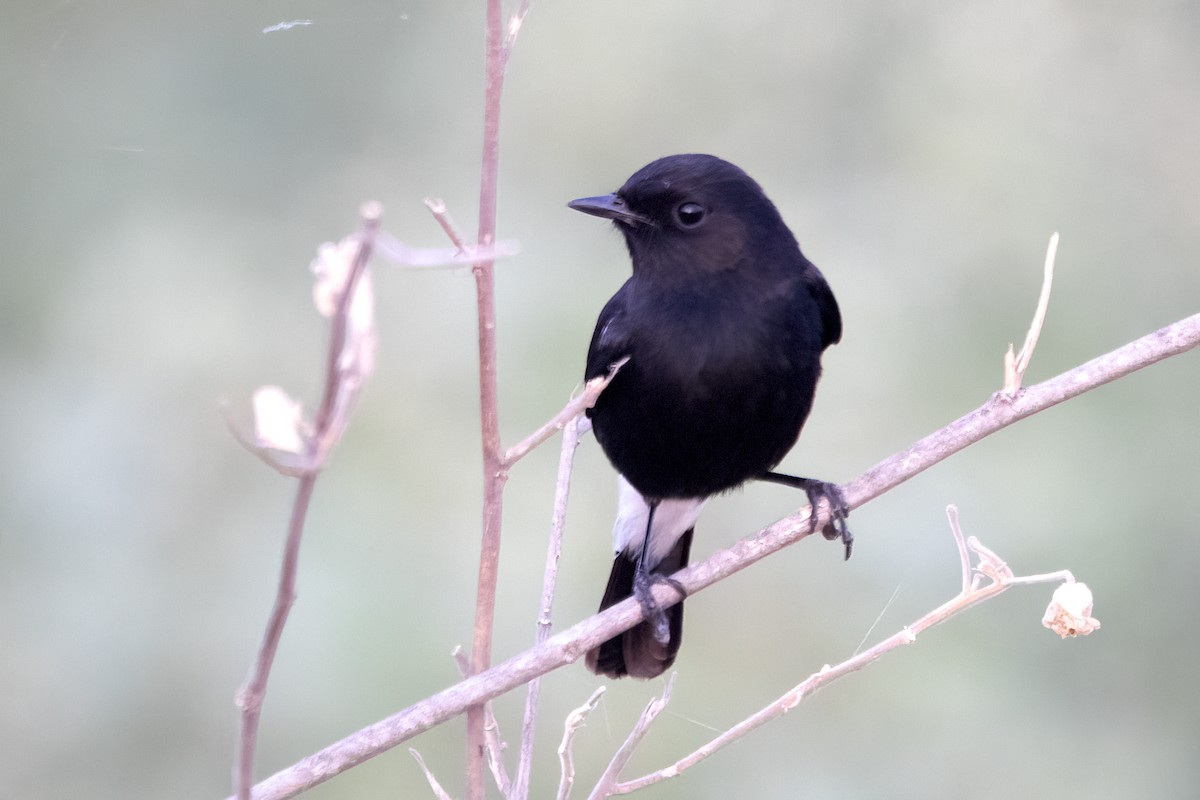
[(687, 215)]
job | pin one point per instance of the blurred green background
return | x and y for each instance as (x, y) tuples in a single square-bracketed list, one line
[(168, 171)]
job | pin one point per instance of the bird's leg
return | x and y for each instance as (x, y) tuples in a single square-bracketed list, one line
[(643, 583), (817, 490)]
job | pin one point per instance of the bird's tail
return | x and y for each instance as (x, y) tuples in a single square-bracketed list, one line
[(636, 652)]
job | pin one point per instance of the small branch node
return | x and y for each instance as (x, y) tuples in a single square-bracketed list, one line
[(991, 565), (964, 555)]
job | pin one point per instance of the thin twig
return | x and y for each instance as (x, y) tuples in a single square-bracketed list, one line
[(438, 791), (1039, 315), (437, 207), (574, 407), (571, 644), (1015, 366), (566, 757), (251, 695), (558, 521), (607, 784), (1001, 579), (1062, 575)]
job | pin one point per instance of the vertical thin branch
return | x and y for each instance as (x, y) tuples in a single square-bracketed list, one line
[(250, 697), (566, 461), (493, 473)]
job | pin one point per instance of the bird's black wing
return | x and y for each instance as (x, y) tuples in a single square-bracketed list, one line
[(610, 340), (831, 317)]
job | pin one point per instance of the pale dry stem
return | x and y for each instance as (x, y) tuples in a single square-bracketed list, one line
[(558, 521)]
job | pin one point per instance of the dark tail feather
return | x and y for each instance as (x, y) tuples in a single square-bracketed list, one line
[(636, 652)]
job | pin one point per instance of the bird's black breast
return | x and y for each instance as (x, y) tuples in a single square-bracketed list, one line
[(720, 379)]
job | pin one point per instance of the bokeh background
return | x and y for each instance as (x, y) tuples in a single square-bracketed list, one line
[(167, 172)]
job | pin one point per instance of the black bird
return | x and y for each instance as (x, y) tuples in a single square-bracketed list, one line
[(724, 321)]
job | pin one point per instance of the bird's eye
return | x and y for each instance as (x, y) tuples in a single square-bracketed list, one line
[(689, 214)]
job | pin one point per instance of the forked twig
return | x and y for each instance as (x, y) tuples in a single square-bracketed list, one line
[(607, 785), (566, 758)]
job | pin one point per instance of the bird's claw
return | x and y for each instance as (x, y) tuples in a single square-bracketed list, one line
[(839, 510), (643, 585)]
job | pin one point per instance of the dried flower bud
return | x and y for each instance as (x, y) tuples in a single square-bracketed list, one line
[(1070, 611)]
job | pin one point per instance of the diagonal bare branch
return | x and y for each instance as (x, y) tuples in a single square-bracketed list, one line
[(570, 645), (574, 407)]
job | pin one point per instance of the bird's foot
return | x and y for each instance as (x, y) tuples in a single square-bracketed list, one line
[(817, 490), (656, 616), (836, 528)]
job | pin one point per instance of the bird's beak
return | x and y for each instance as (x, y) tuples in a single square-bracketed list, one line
[(609, 206)]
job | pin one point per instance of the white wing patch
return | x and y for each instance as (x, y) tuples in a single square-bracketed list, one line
[(672, 519)]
